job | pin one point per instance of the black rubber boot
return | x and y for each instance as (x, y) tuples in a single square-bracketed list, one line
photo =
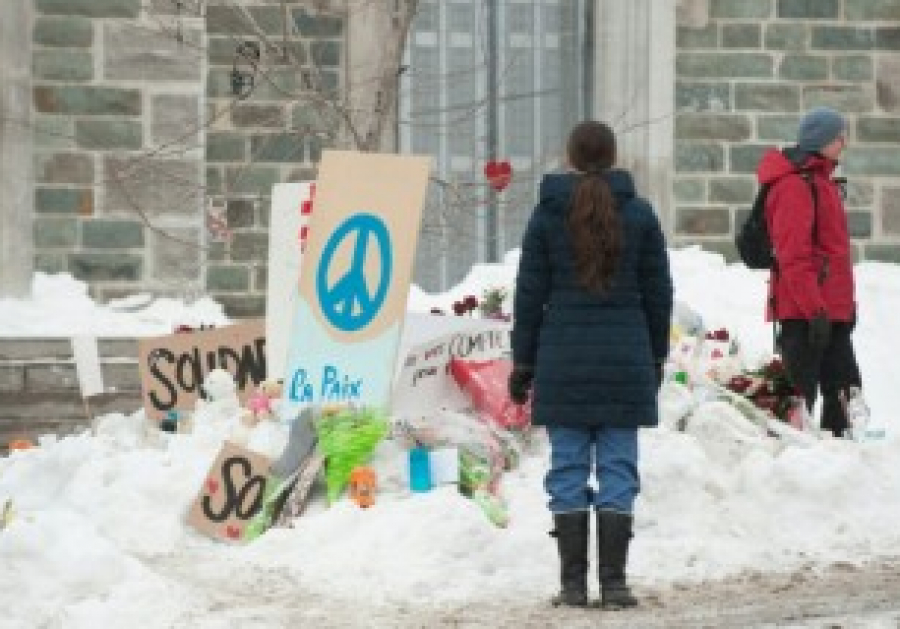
[(613, 537), (571, 532)]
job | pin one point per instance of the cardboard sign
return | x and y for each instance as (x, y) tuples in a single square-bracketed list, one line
[(232, 495), (291, 208), (173, 367), (355, 280), (87, 365), (425, 383)]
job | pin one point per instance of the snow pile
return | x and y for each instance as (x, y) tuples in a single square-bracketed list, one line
[(98, 535)]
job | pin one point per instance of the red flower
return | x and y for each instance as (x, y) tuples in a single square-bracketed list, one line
[(470, 302), (739, 384), (719, 335), (459, 308)]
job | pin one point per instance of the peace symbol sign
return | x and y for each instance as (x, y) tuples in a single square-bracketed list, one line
[(348, 304)]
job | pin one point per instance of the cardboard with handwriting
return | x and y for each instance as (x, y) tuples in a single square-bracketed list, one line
[(172, 368)]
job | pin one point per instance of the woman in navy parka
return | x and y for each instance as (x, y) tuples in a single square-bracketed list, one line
[(592, 311)]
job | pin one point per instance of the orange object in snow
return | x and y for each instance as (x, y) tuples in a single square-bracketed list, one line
[(363, 483), (20, 444)]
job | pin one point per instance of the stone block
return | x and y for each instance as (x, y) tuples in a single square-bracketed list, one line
[(878, 130), (872, 10), (882, 252), (691, 38), (227, 20), (767, 97), (50, 262), (50, 377), (260, 278), (72, 168), (749, 9), (730, 127), (689, 190), (745, 158), (214, 181), (741, 35), (106, 267), (55, 232), (29, 349), (224, 146), (64, 201), (859, 193), (278, 85), (240, 213), (216, 251), (12, 378), (809, 9), (786, 36), (326, 54), (844, 98), (778, 128), (228, 277), (87, 100), (90, 8), (887, 38), (309, 118), (121, 377), (723, 65), (311, 25), (159, 187), (53, 132), (175, 117), (177, 254), (694, 96), (148, 54), (246, 115), (803, 68), (871, 161), (242, 306), (732, 190), (702, 221), (853, 68), (112, 234), (65, 32), (843, 38), (62, 65), (698, 157), (890, 211), (108, 135), (887, 83), (252, 180), (117, 348), (859, 224), (249, 247), (688, 13), (277, 147)]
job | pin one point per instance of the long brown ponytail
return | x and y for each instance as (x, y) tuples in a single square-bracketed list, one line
[(593, 222)]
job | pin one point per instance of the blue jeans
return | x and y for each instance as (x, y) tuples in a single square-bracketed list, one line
[(575, 451)]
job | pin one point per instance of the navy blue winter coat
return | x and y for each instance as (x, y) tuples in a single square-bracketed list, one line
[(593, 354)]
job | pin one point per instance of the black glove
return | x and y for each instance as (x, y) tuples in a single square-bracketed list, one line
[(819, 331), (520, 383), (658, 369)]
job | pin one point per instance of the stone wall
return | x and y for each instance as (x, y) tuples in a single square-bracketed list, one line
[(746, 70), (39, 388), (138, 135)]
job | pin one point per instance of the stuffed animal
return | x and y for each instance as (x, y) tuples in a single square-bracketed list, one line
[(263, 401)]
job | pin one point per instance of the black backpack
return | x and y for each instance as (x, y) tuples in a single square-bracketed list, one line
[(754, 245)]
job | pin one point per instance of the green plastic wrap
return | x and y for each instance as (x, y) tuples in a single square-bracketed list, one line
[(347, 438)]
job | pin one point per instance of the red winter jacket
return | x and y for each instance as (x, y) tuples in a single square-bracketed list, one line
[(811, 273)]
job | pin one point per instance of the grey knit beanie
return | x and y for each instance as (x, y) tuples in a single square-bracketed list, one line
[(818, 128)]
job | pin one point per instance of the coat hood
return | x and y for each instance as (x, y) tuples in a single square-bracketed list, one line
[(776, 164), (556, 189)]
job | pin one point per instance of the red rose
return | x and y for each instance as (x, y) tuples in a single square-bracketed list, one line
[(470, 302), (459, 308)]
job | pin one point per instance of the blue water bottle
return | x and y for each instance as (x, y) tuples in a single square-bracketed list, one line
[(419, 469)]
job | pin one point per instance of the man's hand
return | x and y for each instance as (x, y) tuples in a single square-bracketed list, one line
[(520, 383)]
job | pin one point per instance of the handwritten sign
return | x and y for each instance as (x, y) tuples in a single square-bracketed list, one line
[(425, 383), (288, 231), (173, 367), (355, 280), (232, 495)]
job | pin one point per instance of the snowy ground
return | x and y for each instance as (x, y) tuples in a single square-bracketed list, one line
[(760, 537)]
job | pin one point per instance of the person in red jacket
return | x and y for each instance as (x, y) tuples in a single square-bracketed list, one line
[(811, 292)]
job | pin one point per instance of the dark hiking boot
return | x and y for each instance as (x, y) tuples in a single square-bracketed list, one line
[(613, 537), (571, 532)]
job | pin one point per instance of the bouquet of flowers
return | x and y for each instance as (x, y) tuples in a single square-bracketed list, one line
[(768, 387)]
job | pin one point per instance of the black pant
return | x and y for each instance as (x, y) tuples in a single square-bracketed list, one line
[(833, 368)]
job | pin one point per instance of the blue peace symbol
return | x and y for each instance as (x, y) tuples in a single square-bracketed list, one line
[(348, 305)]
